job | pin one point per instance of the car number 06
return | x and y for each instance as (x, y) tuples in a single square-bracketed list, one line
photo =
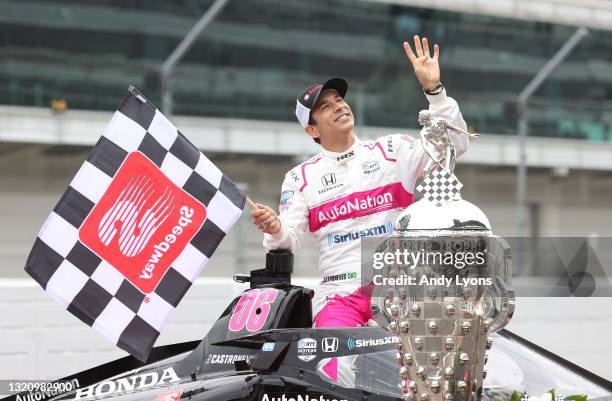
[(252, 310)]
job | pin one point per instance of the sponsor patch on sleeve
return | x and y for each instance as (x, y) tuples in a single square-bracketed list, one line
[(285, 196)]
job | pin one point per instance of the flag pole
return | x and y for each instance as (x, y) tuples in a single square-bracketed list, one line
[(251, 203)]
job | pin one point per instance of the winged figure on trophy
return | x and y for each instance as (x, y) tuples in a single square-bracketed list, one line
[(448, 286)]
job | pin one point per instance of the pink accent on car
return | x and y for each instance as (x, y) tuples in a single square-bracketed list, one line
[(331, 369)]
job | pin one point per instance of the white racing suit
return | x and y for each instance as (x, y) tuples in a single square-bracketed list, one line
[(343, 197)]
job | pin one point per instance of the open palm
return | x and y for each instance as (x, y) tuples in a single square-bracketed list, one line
[(426, 67)]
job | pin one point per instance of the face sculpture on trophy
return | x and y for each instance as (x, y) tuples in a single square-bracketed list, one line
[(454, 282)]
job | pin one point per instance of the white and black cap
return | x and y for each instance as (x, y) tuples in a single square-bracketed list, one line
[(307, 100)]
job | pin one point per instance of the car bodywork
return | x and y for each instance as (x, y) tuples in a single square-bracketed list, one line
[(257, 354)]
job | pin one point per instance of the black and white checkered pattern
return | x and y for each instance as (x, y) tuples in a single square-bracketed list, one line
[(87, 285), (440, 186)]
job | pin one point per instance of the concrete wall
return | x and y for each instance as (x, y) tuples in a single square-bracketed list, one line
[(40, 340)]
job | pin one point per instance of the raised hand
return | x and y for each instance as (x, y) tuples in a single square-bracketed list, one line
[(426, 68)]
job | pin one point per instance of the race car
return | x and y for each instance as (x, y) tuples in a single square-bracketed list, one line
[(263, 348)]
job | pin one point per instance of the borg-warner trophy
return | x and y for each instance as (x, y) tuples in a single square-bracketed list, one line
[(445, 313)]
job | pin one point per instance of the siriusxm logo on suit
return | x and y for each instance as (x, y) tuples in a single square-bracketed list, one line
[(341, 237)]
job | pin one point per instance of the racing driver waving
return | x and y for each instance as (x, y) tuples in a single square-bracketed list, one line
[(352, 188)]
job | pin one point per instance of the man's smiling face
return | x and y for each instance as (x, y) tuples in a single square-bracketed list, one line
[(333, 116)]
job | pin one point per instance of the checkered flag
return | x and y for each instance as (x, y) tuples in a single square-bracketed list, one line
[(440, 186), (136, 226)]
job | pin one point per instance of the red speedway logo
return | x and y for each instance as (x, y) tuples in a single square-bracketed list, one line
[(142, 222), (135, 234)]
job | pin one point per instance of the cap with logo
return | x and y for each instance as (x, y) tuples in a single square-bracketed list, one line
[(307, 100)]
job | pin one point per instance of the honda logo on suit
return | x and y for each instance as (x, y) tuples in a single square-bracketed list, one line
[(328, 179)]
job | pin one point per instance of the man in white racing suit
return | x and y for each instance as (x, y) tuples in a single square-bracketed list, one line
[(352, 189)]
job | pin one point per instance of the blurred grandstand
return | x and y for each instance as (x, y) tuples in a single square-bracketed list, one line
[(65, 65)]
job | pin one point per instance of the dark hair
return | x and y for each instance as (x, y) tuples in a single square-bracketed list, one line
[(312, 121)]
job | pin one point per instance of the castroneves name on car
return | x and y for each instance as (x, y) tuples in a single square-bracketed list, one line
[(226, 359)]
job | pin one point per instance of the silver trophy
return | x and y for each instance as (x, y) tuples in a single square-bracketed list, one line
[(442, 310)]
